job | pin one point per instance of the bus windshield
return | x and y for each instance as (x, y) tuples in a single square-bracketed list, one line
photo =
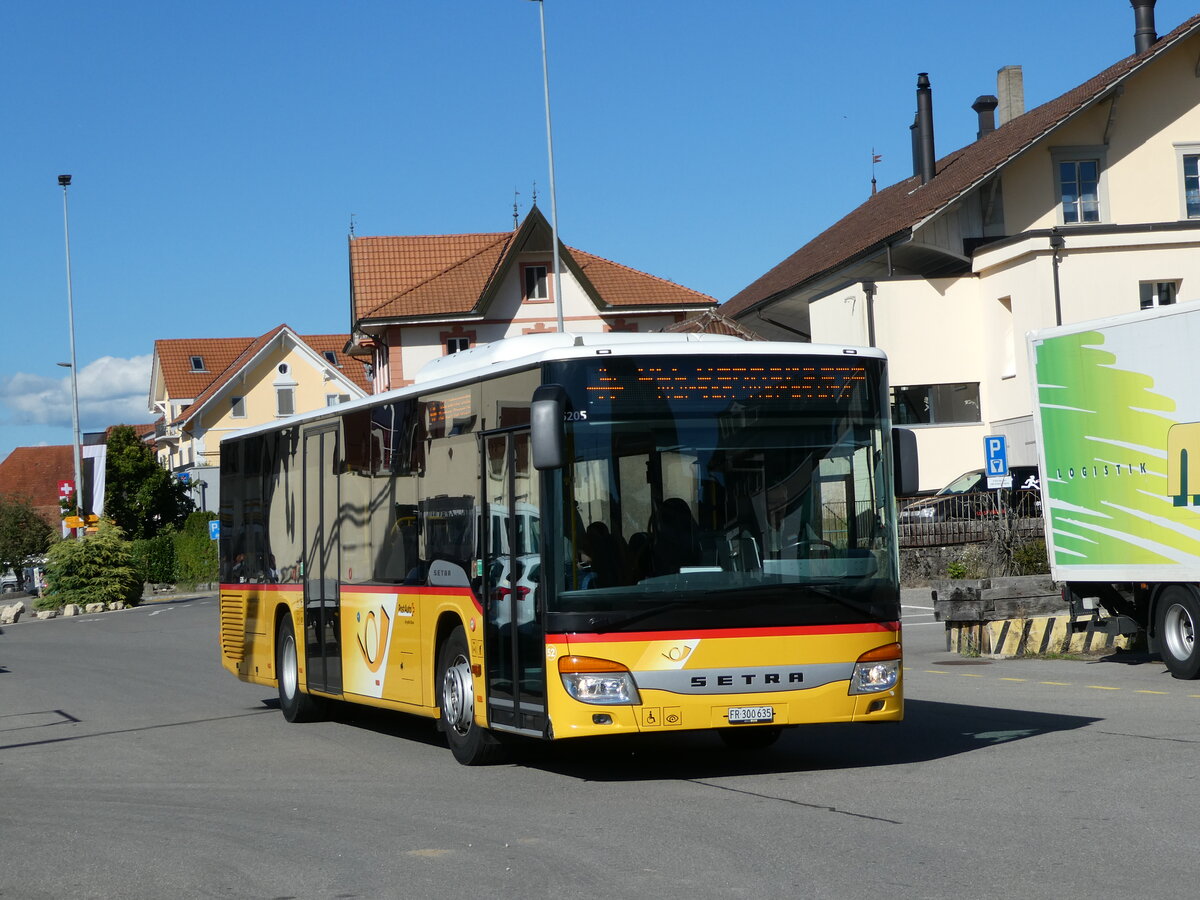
[(718, 492)]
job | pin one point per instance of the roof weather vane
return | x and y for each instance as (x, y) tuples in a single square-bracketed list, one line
[(535, 193), (516, 194), (351, 224)]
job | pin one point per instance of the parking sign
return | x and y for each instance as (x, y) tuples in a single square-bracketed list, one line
[(995, 452)]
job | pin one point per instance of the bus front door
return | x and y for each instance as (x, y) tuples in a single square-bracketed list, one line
[(515, 641), (323, 652)]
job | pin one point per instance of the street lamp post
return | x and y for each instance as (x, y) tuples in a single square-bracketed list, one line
[(65, 181), (558, 306)]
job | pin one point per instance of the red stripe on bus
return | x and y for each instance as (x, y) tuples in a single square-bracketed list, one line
[(679, 634)]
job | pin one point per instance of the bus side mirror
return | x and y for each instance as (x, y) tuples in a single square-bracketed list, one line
[(546, 426), (904, 462)]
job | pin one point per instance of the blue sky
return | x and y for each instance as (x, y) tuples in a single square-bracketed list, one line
[(219, 150)]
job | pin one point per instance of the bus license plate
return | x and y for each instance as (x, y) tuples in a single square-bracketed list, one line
[(750, 714)]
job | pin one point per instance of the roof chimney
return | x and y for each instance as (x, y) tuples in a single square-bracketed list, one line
[(1143, 16), (925, 154), (985, 108), (1010, 85)]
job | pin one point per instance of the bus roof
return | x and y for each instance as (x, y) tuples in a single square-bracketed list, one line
[(530, 350)]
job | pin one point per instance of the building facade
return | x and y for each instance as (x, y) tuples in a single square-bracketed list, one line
[(1087, 206)]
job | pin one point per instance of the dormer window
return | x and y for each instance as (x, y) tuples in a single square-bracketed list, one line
[(197, 363), (330, 357)]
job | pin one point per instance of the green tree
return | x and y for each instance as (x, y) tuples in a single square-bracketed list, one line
[(24, 536), (100, 568), (140, 496)]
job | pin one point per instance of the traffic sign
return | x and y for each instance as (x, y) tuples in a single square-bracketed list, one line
[(995, 452), (214, 529)]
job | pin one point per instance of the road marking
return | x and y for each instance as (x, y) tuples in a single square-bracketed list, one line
[(1161, 693), (1057, 683), (927, 608), (1014, 679), (1101, 687)]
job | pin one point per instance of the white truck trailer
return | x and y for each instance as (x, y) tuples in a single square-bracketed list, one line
[(1117, 415)]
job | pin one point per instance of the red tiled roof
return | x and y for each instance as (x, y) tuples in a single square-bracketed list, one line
[(712, 322), (424, 275), (907, 203), (34, 472)]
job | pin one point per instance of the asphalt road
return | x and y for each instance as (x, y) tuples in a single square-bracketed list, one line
[(132, 765)]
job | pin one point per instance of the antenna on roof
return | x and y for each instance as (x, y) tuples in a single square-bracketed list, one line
[(516, 194), (535, 193), (351, 224)]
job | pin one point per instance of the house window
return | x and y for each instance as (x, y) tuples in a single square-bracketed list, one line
[(335, 399), (1187, 164), (537, 286), (1191, 185), (1157, 293), (285, 401), (1079, 186), (237, 407), (197, 363), (330, 357), (936, 404), (455, 344)]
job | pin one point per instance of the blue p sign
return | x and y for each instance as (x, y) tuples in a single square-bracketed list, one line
[(214, 529), (995, 452)]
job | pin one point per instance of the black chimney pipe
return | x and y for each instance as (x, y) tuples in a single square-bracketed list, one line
[(985, 108), (926, 156), (1144, 35)]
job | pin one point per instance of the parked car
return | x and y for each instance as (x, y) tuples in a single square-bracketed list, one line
[(969, 497)]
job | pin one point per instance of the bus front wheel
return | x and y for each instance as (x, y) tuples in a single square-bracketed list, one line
[(1178, 615), (471, 744), (296, 705)]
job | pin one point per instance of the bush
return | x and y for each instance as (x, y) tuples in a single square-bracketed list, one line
[(195, 551), (154, 558), (100, 568), (1029, 558)]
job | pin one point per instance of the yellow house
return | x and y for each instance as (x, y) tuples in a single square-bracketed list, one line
[(205, 388), (1083, 207)]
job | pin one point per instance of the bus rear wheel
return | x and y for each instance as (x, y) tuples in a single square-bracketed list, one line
[(296, 705), (1178, 616), (471, 744)]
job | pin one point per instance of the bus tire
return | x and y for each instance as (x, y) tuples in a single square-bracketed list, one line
[(1177, 618), (471, 744), (748, 737), (296, 705)]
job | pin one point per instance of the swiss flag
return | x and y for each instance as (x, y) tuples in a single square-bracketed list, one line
[(65, 490)]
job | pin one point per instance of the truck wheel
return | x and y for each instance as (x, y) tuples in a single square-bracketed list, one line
[(1178, 616), (471, 744), (297, 706)]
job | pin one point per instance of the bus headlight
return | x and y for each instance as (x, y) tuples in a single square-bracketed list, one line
[(876, 670), (599, 681)]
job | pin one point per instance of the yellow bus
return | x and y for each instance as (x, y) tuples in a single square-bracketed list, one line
[(564, 535)]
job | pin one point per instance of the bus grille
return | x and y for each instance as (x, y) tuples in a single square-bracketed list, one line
[(233, 627)]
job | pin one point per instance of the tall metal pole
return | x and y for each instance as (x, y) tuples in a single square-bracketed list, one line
[(558, 305), (65, 181)]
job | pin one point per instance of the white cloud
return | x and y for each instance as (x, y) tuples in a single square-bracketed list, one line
[(111, 391)]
